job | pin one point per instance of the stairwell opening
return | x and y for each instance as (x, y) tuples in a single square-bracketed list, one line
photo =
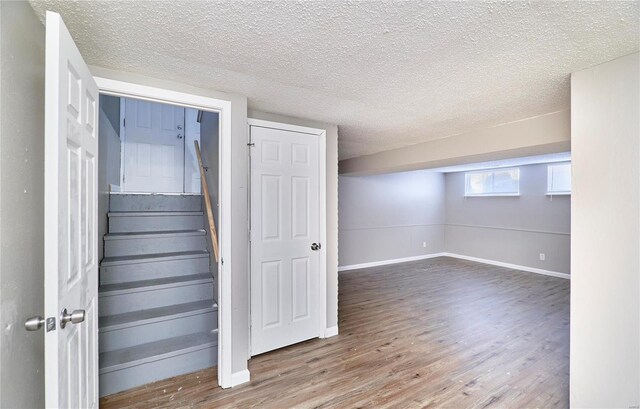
[(158, 311)]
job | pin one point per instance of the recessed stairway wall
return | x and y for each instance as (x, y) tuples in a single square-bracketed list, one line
[(157, 315)]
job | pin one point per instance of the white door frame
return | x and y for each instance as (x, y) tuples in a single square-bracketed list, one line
[(322, 186), (131, 90)]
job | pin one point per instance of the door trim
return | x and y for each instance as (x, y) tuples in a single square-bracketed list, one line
[(323, 331), (132, 90)]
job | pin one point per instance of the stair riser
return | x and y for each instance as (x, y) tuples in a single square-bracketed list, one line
[(133, 247), (118, 304), (155, 203), (126, 224), (131, 336), (117, 381), (147, 271)]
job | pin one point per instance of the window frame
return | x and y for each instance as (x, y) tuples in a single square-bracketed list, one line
[(491, 194), (550, 180)]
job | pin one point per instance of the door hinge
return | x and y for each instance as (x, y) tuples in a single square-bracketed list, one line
[(124, 122)]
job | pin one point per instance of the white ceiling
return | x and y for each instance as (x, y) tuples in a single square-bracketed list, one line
[(388, 73), (506, 163)]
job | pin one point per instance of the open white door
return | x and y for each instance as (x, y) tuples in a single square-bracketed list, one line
[(71, 268), (285, 238)]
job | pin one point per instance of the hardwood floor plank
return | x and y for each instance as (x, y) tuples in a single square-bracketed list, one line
[(437, 333)]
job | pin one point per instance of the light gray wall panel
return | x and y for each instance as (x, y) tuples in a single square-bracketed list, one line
[(389, 216), (387, 243), (21, 205), (210, 147), (511, 246), (510, 229), (110, 105), (108, 159)]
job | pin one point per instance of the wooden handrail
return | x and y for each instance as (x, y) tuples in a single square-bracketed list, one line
[(207, 203)]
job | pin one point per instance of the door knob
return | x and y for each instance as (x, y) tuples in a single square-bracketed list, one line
[(35, 323), (179, 136), (76, 317), (316, 246)]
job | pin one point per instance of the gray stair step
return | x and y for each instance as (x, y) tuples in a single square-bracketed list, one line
[(121, 222), (119, 202), (157, 314), (136, 327), (154, 284), (134, 366), (151, 266), (142, 295), (138, 243), (149, 258)]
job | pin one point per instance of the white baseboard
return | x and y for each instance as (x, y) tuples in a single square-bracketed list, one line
[(239, 378), (460, 256), (509, 265), (331, 331), (386, 262)]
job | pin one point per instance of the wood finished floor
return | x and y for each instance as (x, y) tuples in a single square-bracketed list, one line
[(438, 333)]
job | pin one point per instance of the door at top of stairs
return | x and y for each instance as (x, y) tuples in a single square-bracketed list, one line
[(153, 147)]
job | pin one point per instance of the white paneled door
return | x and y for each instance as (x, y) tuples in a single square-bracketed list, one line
[(71, 265), (285, 235), (153, 147)]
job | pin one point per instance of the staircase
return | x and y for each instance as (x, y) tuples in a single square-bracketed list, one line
[(157, 316)]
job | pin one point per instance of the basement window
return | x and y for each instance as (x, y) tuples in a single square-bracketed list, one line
[(495, 182), (559, 179)]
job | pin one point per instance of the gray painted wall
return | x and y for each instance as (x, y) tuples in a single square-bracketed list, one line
[(110, 105), (108, 159), (210, 148), (332, 203), (21, 205), (390, 216), (605, 252), (510, 229)]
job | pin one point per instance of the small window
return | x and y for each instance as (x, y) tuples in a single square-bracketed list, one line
[(559, 179), (496, 182)]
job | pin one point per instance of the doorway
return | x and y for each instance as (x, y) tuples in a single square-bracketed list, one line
[(222, 109), (158, 154), (288, 230), (158, 309)]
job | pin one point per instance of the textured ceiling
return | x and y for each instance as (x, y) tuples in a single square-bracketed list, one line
[(388, 73)]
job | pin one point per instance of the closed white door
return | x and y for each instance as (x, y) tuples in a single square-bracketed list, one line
[(153, 147), (285, 230), (70, 235)]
